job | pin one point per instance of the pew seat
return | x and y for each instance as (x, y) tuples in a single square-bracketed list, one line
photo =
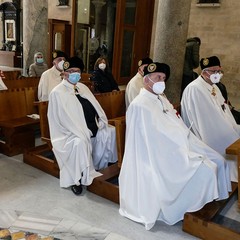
[(234, 149), (202, 223), (17, 130)]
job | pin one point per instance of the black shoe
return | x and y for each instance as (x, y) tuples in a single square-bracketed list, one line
[(77, 190)]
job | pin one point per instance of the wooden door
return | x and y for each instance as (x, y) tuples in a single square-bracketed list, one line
[(132, 38), (59, 37)]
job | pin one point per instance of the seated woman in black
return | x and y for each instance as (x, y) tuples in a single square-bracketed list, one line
[(102, 78)]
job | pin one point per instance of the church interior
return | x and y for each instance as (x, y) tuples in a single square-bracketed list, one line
[(32, 201)]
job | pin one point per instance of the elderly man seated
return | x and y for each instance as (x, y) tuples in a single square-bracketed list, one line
[(81, 137), (204, 108), (51, 77), (166, 171), (136, 83)]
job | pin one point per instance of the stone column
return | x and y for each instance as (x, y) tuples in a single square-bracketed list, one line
[(98, 8), (35, 30), (110, 29), (170, 29)]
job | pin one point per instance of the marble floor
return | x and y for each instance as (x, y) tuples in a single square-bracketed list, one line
[(32, 201)]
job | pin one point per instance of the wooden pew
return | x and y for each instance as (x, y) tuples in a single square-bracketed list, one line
[(85, 79), (234, 149), (17, 130), (22, 83), (113, 103), (15, 74), (44, 126), (201, 223), (106, 185), (42, 157), (120, 126)]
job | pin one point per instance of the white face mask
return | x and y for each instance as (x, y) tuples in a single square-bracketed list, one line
[(158, 87), (102, 66), (60, 65), (215, 78)]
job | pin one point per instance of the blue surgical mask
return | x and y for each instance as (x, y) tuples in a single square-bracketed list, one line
[(74, 77), (39, 60)]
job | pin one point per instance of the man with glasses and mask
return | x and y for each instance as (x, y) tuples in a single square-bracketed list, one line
[(166, 170), (51, 77), (204, 109), (81, 137)]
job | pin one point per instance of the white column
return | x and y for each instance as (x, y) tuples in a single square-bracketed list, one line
[(170, 29), (98, 8), (35, 30)]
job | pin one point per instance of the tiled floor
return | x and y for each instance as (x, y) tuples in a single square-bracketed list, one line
[(31, 200)]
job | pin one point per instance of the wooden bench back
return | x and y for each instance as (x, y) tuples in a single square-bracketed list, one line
[(30, 94), (9, 75), (22, 83), (16, 103), (113, 103), (85, 79), (12, 104)]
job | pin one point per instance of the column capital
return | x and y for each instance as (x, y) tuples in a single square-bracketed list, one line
[(99, 3)]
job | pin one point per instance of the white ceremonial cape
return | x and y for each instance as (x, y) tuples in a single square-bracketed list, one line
[(133, 88), (166, 170), (49, 79), (76, 152), (211, 118)]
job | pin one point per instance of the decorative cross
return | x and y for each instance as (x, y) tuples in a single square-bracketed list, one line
[(213, 92)]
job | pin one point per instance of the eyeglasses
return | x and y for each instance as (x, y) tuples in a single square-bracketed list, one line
[(215, 71)]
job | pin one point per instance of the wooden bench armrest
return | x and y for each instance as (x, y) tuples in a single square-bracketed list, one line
[(19, 122), (120, 126)]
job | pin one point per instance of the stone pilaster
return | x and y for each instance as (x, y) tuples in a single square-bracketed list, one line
[(98, 8), (170, 29), (35, 30)]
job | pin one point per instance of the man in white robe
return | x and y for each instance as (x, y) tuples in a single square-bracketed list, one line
[(166, 170), (136, 83), (204, 107), (80, 144), (51, 77)]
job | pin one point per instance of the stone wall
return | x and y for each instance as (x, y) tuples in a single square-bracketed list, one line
[(55, 12), (35, 37), (219, 30)]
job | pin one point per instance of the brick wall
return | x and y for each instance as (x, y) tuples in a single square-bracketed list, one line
[(219, 30)]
